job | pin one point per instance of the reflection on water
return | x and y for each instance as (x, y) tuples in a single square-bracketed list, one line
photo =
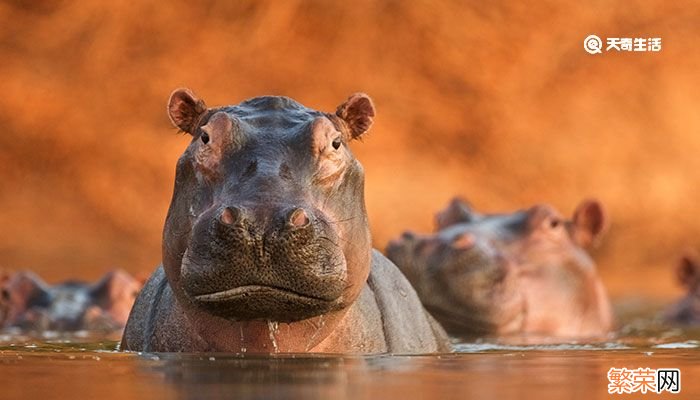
[(87, 367)]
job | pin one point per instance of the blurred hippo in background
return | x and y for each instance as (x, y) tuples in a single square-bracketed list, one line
[(4, 305), (687, 310), (502, 274), (32, 305), (266, 246)]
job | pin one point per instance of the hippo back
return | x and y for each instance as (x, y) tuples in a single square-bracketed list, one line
[(408, 327)]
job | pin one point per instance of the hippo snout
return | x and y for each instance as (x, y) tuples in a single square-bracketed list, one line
[(294, 219), (281, 263)]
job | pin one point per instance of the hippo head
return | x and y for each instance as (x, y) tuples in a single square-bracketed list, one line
[(525, 271), (548, 250), (267, 220), (688, 272), (33, 305), (4, 300), (687, 310), (535, 236), (462, 279)]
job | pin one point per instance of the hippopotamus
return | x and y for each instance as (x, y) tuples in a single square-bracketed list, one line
[(524, 272), (266, 245), (687, 310), (31, 305)]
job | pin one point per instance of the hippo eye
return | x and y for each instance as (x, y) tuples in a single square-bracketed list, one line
[(204, 137), (5, 294), (336, 143), (554, 223)]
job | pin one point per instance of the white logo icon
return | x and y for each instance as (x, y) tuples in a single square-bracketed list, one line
[(592, 44)]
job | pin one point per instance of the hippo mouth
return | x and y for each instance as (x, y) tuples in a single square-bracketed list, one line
[(253, 290), (247, 272), (261, 302)]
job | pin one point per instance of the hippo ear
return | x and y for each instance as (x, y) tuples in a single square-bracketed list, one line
[(23, 285), (114, 284), (358, 113), (102, 287), (4, 277), (185, 109), (688, 269), (590, 223), (457, 212), (29, 279)]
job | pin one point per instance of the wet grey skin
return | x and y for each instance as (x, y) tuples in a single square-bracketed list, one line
[(510, 273), (32, 305), (464, 282), (268, 226)]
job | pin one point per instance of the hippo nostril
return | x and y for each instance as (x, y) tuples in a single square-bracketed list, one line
[(231, 215), (298, 218), (463, 241)]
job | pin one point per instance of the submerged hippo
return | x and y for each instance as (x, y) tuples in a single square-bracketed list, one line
[(523, 272), (32, 305), (266, 246), (687, 310)]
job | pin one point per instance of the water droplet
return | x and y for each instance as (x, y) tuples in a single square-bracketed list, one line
[(272, 327)]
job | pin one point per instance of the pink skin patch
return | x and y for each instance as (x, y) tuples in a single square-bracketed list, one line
[(464, 241)]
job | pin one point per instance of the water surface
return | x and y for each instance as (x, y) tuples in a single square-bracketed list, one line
[(88, 367)]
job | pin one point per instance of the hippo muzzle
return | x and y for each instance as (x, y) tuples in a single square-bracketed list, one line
[(280, 263)]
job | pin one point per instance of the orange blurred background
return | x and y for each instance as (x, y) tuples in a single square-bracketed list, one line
[(495, 101)]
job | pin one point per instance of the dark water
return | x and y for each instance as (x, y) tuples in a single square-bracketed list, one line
[(86, 367)]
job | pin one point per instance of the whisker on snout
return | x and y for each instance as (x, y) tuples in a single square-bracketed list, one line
[(328, 240)]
